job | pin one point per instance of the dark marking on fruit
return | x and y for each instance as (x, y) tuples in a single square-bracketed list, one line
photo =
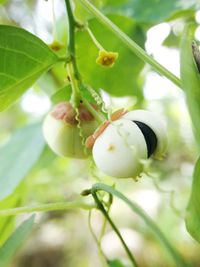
[(149, 136)]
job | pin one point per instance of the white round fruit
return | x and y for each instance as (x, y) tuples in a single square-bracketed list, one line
[(156, 124), (62, 134), (119, 150)]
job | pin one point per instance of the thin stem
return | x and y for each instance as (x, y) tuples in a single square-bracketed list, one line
[(75, 97), (48, 207), (98, 243), (95, 41), (102, 209), (103, 228), (130, 43)]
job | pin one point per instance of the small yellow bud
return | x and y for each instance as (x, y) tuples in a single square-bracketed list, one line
[(106, 58), (56, 46)]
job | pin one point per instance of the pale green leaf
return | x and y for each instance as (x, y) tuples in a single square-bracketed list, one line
[(190, 78), (23, 58), (8, 250), (19, 156), (193, 211), (115, 263)]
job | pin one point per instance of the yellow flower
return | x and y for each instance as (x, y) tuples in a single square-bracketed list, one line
[(106, 58), (56, 46)]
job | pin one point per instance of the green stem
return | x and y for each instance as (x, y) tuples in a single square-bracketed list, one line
[(150, 223), (72, 68), (102, 209), (71, 29), (130, 43), (48, 207), (65, 59)]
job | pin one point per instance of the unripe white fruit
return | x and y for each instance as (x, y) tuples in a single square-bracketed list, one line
[(119, 150), (62, 134), (156, 124)]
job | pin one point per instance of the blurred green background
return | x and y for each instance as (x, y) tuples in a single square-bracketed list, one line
[(63, 238)]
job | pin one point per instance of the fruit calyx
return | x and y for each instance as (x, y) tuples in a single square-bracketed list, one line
[(115, 116), (64, 111)]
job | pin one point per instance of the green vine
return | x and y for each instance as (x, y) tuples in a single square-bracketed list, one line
[(105, 213), (135, 208)]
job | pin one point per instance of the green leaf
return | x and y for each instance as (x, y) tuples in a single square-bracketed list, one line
[(19, 156), (190, 78), (192, 219), (24, 57), (8, 250), (151, 11), (115, 263), (124, 77)]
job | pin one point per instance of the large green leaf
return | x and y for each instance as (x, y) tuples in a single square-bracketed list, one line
[(190, 78), (8, 250), (151, 11), (123, 78), (19, 156), (193, 211), (23, 58)]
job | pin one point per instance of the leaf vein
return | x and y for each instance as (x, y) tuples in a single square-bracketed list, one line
[(8, 76), (20, 52)]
